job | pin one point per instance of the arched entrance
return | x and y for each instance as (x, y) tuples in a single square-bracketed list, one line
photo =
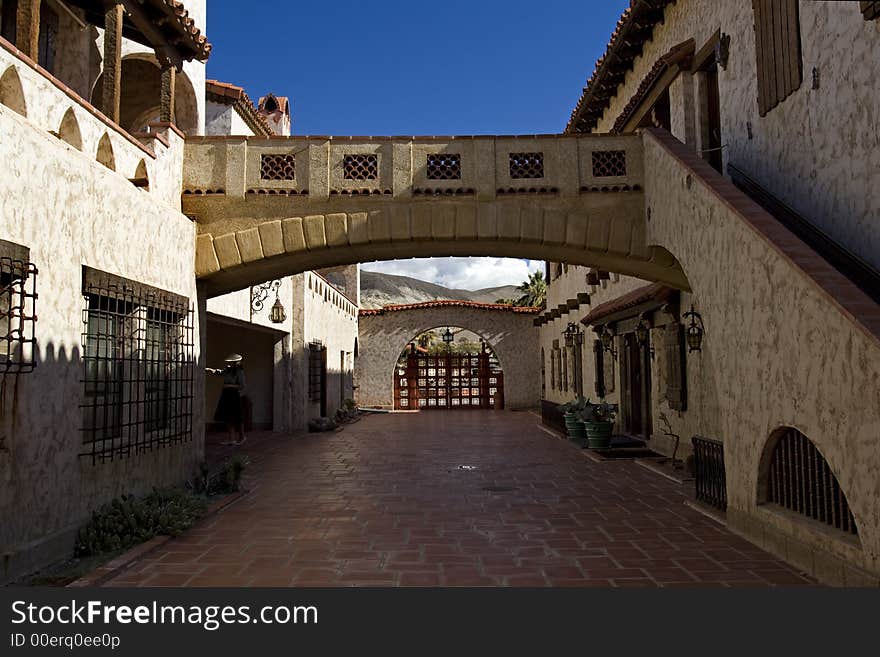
[(507, 331), (448, 369)]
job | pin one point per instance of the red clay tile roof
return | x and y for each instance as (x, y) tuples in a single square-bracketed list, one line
[(170, 18), (676, 55), (440, 303), (654, 292), (230, 94), (185, 24), (634, 27)]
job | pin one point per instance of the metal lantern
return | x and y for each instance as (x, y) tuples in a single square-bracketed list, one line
[(573, 335), (643, 334), (448, 336), (277, 314), (608, 342), (695, 330)]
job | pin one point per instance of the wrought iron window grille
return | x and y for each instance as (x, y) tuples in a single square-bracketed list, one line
[(138, 370), (801, 480), (18, 296), (710, 477)]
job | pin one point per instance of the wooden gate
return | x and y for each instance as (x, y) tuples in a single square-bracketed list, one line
[(447, 381)]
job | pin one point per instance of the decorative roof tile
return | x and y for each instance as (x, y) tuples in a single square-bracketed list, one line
[(230, 94), (633, 29), (441, 303), (656, 292)]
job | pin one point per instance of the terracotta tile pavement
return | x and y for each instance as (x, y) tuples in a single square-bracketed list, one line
[(384, 503)]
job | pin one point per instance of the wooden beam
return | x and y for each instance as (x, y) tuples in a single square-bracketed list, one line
[(27, 28), (166, 53), (169, 82), (112, 69)]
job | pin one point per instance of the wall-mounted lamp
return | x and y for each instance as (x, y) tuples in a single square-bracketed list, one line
[(277, 314), (695, 330), (259, 294), (573, 335), (608, 342), (643, 336)]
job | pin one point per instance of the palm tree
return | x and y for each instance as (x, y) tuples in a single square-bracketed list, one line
[(534, 291)]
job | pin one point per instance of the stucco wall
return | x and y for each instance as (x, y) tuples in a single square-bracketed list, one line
[(817, 150), (781, 354), (71, 211), (223, 119), (321, 313), (512, 336)]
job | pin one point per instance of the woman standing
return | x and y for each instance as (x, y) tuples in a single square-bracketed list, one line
[(229, 408)]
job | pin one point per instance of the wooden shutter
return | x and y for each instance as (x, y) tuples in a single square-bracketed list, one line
[(778, 51), (599, 361), (676, 371)]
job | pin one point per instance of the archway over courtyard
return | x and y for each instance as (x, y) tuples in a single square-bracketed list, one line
[(507, 330), (283, 205)]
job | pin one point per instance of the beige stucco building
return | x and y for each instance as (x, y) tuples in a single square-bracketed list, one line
[(791, 128)]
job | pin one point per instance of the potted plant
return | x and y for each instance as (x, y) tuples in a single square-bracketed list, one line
[(598, 420), (573, 425)]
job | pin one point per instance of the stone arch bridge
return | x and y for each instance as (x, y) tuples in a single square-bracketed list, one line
[(281, 205), (385, 333)]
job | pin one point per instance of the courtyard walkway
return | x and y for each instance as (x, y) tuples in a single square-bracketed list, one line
[(453, 498)]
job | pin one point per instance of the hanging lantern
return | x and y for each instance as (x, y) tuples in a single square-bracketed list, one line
[(573, 335), (448, 336), (608, 342), (643, 334), (695, 330), (277, 314)]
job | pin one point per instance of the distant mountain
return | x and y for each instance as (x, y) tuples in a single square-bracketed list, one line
[(379, 290)]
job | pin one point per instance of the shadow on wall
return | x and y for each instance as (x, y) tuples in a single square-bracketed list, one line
[(47, 488)]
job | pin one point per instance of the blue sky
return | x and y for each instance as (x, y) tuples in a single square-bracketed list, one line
[(416, 68)]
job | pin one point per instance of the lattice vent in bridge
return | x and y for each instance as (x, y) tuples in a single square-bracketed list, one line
[(278, 167), (526, 165), (360, 167), (444, 166), (608, 164)]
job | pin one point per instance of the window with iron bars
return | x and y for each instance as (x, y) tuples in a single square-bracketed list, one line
[(138, 368), (317, 370), (18, 296)]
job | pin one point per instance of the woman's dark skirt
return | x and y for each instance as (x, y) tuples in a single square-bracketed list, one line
[(229, 407)]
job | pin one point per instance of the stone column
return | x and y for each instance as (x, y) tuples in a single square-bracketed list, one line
[(27, 28), (169, 81), (112, 74)]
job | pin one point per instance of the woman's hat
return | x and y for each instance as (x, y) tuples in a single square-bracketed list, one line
[(233, 358)]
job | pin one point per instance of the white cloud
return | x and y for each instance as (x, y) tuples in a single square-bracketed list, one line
[(461, 273)]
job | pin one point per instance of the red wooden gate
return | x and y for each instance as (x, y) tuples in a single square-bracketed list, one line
[(447, 381)]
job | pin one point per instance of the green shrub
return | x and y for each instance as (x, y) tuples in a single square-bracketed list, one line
[(129, 520)]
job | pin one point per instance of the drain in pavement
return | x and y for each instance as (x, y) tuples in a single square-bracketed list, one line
[(499, 489)]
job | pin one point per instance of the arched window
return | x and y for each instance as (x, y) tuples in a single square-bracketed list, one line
[(105, 153), (11, 93), (69, 131), (798, 478)]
